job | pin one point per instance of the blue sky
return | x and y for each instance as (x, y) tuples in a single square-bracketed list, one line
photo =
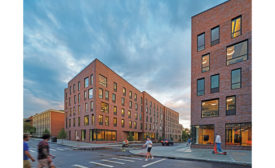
[(147, 42)]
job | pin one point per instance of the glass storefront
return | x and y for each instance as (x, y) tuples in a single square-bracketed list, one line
[(102, 135), (238, 134), (203, 134)]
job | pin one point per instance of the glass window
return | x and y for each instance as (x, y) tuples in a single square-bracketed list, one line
[(86, 120), (130, 124), (129, 114), (104, 107), (124, 91), (122, 123), (200, 42), (115, 86), (92, 106), (130, 104), (115, 121), (200, 87), (122, 101), (100, 93), (83, 135), (136, 116), (74, 99), (135, 97), (122, 112), (78, 121), (73, 87), (106, 95), (78, 109), (130, 94), (78, 97), (236, 79), (78, 85), (238, 134), (93, 119), (215, 35), (205, 66), (236, 53), (74, 122), (231, 105), (210, 108), (106, 121), (86, 82), (114, 97), (236, 27), (69, 122), (91, 79), (215, 85), (85, 95), (100, 135), (115, 110), (136, 106), (203, 134), (100, 119), (90, 93), (103, 80), (135, 125)]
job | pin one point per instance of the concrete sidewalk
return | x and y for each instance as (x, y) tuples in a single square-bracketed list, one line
[(180, 151)]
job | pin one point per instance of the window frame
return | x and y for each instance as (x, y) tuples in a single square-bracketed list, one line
[(204, 55), (213, 42), (240, 78), (212, 90), (247, 50), (241, 26), (203, 86), (203, 33), (85, 82), (218, 107), (228, 112), (100, 83)]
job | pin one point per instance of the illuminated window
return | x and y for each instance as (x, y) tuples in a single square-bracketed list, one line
[(90, 93), (122, 101), (136, 106), (203, 134), (135, 97), (130, 124), (115, 86), (200, 87), (231, 105), (104, 107), (135, 125), (215, 83), (115, 110), (236, 79), (205, 63), (236, 27), (129, 114), (106, 121), (122, 112), (86, 120), (106, 95), (200, 42), (103, 80), (100, 119), (215, 35), (122, 123), (130, 94), (210, 108), (136, 116), (238, 134), (236, 53), (114, 97), (124, 91), (83, 135), (86, 82), (100, 93), (130, 104), (115, 121), (78, 109)]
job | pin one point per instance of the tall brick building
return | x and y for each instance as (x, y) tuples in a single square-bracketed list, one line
[(221, 76), (101, 106)]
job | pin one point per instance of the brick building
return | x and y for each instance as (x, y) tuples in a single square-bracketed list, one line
[(171, 123), (52, 120), (101, 106), (221, 75)]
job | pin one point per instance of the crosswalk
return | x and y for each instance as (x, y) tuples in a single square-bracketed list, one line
[(33, 150)]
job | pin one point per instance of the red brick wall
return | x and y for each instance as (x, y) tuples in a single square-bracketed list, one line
[(57, 122)]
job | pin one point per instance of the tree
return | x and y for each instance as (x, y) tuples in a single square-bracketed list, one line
[(62, 134), (185, 134), (130, 136), (46, 131), (28, 128)]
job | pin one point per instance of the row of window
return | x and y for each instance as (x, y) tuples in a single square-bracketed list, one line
[(236, 82), (86, 84), (97, 135), (77, 99), (215, 34)]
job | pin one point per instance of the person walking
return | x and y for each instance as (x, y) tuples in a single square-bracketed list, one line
[(149, 145), (218, 143), (27, 155), (188, 144), (44, 156)]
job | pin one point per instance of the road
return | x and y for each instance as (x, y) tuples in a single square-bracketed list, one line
[(67, 157)]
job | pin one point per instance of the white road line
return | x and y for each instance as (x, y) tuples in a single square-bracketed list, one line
[(31, 150), (153, 162), (124, 160), (131, 158), (52, 149), (112, 161), (101, 164), (79, 166)]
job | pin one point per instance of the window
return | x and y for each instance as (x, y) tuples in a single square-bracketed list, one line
[(200, 87), (136, 106), (106, 121), (124, 91), (135, 97), (100, 119), (86, 120), (74, 122), (130, 104), (100, 93), (115, 121), (215, 35), (104, 107), (130, 94), (115, 110), (73, 87), (238, 134), (103, 80), (210, 108), (122, 101), (231, 105), (122, 112), (203, 134), (136, 116), (130, 124), (74, 99), (86, 107), (236, 53), (93, 119), (129, 114), (78, 85), (215, 85), (92, 106), (205, 63), (106, 95), (86, 82), (115, 86), (114, 97), (83, 135), (200, 42), (122, 123), (78, 123), (236, 27), (69, 101), (236, 79), (91, 79), (90, 93), (78, 97), (85, 95), (135, 125), (69, 122)]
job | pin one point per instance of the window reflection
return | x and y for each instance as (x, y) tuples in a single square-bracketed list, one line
[(238, 134), (210, 108), (200, 40), (236, 27), (205, 63), (236, 53), (203, 134), (236, 79), (215, 35), (231, 105)]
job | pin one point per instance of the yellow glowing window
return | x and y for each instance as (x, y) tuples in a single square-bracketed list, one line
[(236, 27), (86, 120)]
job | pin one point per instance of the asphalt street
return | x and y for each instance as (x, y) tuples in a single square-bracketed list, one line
[(66, 157)]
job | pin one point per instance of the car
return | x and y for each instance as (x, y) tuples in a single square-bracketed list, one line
[(167, 142)]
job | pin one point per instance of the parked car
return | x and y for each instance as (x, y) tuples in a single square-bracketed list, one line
[(167, 142)]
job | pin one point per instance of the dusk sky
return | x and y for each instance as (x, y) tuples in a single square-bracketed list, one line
[(147, 42)]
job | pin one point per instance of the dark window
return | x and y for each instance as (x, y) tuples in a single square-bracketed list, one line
[(236, 27), (91, 79), (115, 110), (238, 134), (200, 41), (78, 85), (200, 87), (114, 97), (210, 108), (115, 121), (205, 64), (236, 53), (215, 83), (215, 35), (83, 135), (231, 105), (236, 79), (122, 101), (106, 95)]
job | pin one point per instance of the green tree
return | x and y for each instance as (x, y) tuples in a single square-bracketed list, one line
[(47, 132), (62, 134), (28, 128), (130, 136), (185, 134)]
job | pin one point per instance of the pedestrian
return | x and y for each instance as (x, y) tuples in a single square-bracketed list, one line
[(218, 143), (44, 156), (149, 145), (188, 142), (27, 155)]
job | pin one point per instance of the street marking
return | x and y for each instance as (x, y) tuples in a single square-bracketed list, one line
[(60, 149), (131, 158), (153, 162), (124, 160), (79, 166), (112, 161), (31, 150), (52, 149), (101, 164)]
